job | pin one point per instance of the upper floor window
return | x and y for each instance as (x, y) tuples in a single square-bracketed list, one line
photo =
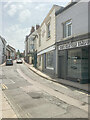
[(39, 40), (3, 50), (48, 30), (67, 29)]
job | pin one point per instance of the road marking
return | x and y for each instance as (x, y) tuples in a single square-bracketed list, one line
[(63, 97), (81, 92), (4, 86), (61, 85), (12, 81)]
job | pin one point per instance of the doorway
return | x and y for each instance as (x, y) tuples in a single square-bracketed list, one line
[(61, 67)]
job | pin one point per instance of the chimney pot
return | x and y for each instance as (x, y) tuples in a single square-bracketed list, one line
[(37, 26), (32, 30)]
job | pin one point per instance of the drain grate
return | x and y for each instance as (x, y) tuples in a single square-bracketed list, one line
[(36, 95)]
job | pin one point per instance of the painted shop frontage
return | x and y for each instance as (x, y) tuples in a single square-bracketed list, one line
[(47, 60), (74, 59)]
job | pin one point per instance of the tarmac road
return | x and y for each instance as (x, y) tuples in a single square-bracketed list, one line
[(32, 96)]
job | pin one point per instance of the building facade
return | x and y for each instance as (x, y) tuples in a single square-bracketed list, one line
[(2, 50), (73, 42), (26, 49), (46, 55), (10, 52), (31, 46)]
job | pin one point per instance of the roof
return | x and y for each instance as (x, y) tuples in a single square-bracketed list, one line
[(10, 47), (56, 7), (3, 40), (65, 8)]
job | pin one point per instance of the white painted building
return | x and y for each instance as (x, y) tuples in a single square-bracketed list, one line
[(10, 52), (31, 45), (73, 42), (46, 42), (2, 50)]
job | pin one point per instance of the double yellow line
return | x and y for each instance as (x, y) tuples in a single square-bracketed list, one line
[(4, 86)]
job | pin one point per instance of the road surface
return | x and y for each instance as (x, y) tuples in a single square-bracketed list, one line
[(32, 96)]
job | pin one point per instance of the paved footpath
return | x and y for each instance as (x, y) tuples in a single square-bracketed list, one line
[(7, 111), (76, 85)]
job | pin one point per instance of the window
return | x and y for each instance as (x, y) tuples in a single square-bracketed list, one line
[(67, 29), (39, 62), (48, 30), (39, 40), (3, 50), (49, 60), (74, 63), (31, 47)]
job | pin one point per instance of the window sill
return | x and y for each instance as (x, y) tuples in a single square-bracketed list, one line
[(67, 38), (50, 68)]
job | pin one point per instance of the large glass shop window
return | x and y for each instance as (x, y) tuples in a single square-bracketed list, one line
[(74, 63), (85, 63), (49, 59)]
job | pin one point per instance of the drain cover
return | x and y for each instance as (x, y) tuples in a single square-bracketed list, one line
[(35, 95)]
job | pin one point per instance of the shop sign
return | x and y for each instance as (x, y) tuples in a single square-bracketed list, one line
[(74, 44), (47, 50)]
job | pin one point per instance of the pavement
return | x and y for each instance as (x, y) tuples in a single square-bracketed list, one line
[(76, 85), (6, 111)]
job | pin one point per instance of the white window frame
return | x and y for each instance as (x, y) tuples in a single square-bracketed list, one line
[(69, 22)]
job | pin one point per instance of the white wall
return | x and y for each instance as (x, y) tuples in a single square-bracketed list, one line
[(45, 42), (79, 15), (1, 49)]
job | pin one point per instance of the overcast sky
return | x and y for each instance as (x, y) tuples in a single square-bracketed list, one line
[(16, 18)]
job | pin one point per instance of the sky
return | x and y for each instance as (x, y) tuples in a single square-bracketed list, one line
[(17, 18)]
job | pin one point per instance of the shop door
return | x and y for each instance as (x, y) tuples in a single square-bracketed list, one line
[(61, 67), (89, 64)]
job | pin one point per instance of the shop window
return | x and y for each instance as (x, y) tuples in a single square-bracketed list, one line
[(74, 63), (49, 60), (67, 29), (85, 63), (78, 64)]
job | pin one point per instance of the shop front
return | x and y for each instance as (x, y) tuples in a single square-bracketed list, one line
[(47, 60), (73, 61)]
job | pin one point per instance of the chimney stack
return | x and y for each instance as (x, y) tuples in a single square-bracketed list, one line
[(37, 26), (32, 30)]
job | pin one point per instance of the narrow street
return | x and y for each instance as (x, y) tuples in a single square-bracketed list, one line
[(32, 96)]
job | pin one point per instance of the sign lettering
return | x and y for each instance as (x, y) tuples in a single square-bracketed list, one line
[(74, 44)]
